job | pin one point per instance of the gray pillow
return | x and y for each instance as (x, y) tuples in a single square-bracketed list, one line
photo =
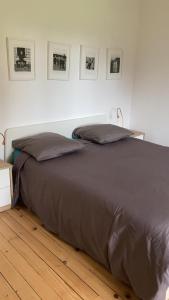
[(101, 133), (47, 145)]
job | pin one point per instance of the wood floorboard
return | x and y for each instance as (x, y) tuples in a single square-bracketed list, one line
[(35, 264), (6, 291), (70, 260), (16, 281)]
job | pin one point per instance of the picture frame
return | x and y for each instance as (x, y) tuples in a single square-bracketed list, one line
[(58, 61), (114, 63), (21, 59), (89, 62)]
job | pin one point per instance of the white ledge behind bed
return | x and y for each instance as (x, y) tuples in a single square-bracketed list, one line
[(64, 127)]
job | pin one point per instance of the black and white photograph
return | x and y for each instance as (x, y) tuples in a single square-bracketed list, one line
[(58, 61), (89, 59), (114, 61), (90, 63), (21, 59), (115, 65)]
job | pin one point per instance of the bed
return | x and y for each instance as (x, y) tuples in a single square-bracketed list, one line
[(114, 207)]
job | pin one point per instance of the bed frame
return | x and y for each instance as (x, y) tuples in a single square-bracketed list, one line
[(64, 127)]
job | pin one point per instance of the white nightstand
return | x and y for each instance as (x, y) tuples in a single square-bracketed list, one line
[(138, 135), (6, 190)]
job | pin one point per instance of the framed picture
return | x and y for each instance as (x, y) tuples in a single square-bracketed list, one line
[(21, 55), (58, 61), (114, 63), (89, 60)]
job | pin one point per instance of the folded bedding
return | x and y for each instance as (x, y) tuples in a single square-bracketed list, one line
[(111, 201)]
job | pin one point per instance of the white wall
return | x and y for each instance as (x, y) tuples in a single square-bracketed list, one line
[(101, 23), (150, 105)]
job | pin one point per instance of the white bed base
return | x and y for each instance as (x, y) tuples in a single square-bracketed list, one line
[(64, 127)]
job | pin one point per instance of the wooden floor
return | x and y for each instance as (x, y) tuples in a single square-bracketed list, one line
[(35, 264)]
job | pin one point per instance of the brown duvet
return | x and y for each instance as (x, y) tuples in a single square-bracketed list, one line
[(112, 201)]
